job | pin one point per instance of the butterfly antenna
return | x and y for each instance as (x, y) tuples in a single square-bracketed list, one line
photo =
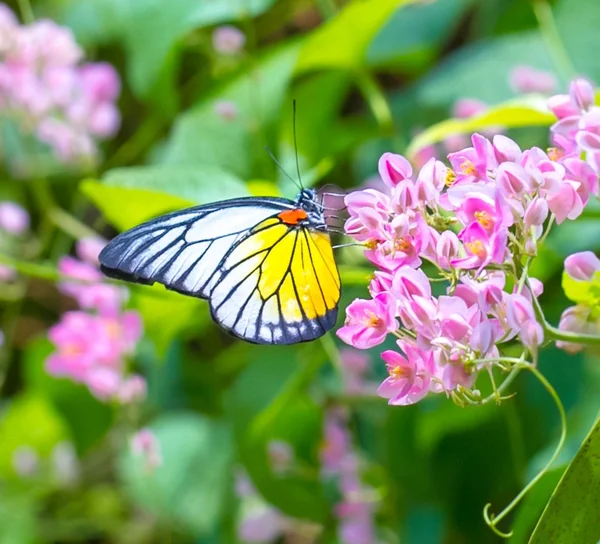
[(296, 147), (281, 168)]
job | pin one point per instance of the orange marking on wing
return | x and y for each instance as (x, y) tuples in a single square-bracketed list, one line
[(292, 217)]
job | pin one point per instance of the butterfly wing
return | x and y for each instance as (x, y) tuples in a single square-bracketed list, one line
[(184, 250), (279, 285)]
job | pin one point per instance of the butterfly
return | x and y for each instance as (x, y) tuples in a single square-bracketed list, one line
[(264, 264)]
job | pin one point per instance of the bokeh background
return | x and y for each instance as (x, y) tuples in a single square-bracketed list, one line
[(127, 416)]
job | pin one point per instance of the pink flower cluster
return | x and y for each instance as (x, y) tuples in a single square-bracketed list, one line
[(45, 89), (475, 222), (577, 131), (92, 345), (355, 512)]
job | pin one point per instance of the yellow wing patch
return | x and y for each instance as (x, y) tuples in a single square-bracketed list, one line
[(279, 285)]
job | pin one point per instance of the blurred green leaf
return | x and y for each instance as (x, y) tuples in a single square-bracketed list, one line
[(573, 512), (342, 42), (415, 33), (269, 402), (202, 137), (151, 33), (191, 484), (129, 196), (29, 421), (19, 524), (533, 505), (167, 314), (526, 111), (586, 292), (481, 69), (87, 418)]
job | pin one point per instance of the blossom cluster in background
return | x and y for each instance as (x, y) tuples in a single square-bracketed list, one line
[(476, 222), (93, 343), (355, 512), (49, 94)]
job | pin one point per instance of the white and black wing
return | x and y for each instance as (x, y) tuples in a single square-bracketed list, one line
[(184, 250)]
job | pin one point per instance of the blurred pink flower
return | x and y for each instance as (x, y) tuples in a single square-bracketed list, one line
[(89, 292), (261, 524), (145, 444), (228, 40), (526, 79), (132, 389), (464, 108), (281, 455), (226, 109), (26, 461), (88, 249), (65, 104), (356, 366), (7, 273), (13, 218)]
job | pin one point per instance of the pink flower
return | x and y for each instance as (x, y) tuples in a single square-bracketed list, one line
[(261, 524), (228, 40), (526, 79), (481, 247), (409, 377), (393, 169), (13, 218), (145, 444), (472, 163), (104, 382), (369, 321), (582, 266), (521, 318)]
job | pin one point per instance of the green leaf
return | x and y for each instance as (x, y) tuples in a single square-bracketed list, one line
[(151, 30), (167, 314), (201, 137), (342, 42), (190, 486), (269, 402), (129, 196), (415, 33), (533, 505), (480, 70), (522, 112), (30, 420), (572, 515)]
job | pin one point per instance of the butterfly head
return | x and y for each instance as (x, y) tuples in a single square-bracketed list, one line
[(308, 201)]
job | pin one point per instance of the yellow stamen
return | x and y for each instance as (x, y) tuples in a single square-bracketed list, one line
[(372, 320), (484, 219), (450, 177), (370, 244), (404, 244), (554, 153), (476, 248), (397, 372), (468, 168), (72, 349)]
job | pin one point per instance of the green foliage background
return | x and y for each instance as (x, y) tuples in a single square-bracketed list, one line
[(367, 76)]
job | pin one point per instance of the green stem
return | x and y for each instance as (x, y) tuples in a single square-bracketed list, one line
[(493, 520), (374, 96), (26, 11), (563, 336), (70, 225), (554, 43), (332, 351)]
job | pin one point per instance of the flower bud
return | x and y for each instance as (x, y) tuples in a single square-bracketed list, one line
[(581, 93), (582, 266), (13, 218), (393, 169), (536, 212)]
